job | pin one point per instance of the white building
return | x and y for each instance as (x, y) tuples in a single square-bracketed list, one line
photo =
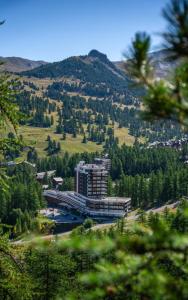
[(104, 207)]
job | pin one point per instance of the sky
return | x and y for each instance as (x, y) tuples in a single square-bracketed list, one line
[(52, 30)]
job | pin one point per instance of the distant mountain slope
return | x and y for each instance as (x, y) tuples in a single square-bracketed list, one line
[(18, 64), (163, 66), (95, 71), (93, 68), (87, 101)]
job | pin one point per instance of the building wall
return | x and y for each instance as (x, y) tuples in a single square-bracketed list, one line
[(107, 207), (92, 183)]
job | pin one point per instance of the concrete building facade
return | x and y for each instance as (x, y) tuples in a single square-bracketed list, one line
[(113, 207), (91, 180)]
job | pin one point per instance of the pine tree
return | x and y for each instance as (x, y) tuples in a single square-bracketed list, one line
[(84, 141), (58, 147), (52, 120), (64, 136)]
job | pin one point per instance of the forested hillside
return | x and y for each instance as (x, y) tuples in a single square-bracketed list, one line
[(87, 103), (21, 201)]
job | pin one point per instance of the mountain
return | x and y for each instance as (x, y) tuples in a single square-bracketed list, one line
[(96, 71), (86, 103), (160, 60), (18, 64), (162, 64), (94, 68), (77, 66)]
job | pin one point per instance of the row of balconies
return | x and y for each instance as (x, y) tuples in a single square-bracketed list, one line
[(97, 209), (96, 183), (93, 188), (96, 191)]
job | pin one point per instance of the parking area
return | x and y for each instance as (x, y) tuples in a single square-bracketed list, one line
[(61, 215)]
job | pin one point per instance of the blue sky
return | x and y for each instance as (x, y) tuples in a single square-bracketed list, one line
[(52, 30)]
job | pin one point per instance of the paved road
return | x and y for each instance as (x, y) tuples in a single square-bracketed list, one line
[(61, 215), (134, 217), (99, 226)]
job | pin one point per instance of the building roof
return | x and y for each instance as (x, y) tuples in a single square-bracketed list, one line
[(58, 179), (87, 167), (117, 199), (41, 175), (45, 186), (103, 159)]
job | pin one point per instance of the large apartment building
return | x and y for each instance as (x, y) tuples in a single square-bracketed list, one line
[(91, 180), (90, 195)]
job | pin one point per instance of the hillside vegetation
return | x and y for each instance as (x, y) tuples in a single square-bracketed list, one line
[(86, 103)]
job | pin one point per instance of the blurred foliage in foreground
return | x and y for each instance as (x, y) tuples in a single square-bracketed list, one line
[(147, 260)]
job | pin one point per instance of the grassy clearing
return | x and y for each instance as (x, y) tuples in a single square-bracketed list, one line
[(36, 137), (124, 136)]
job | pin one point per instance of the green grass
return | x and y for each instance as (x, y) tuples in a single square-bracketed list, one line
[(124, 136), (43, 219), (36, 137)]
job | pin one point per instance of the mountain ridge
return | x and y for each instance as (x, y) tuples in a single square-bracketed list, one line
[(90, 71), (58, 69), (160, 61), (21, 65), (16, 64)]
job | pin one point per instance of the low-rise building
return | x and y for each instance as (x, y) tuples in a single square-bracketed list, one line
[(48, 174), (57, 182), (45, 186), (114, 207)]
